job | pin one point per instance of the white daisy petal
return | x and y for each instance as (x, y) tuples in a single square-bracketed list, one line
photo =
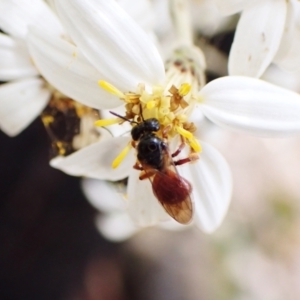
[(257, 38), (112, 42), (291, 61), (143, 207), (276, 75), (103, 195), (251, 105), (116, 129), (116, 227), (287, 56), (15, 60), (173, 225), (21, 102), (62, 64), (212, 20), (230, 7), (95, 161), (16, 15), (212, 186), (141, 11)]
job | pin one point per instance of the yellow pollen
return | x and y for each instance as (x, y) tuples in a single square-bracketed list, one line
[(184, 132), (184, 89), (47, 120), (61, 149), (121, 156), (111, 89), (151, 104), (107, 122)]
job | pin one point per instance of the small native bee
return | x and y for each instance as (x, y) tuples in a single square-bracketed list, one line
[(156, 163)]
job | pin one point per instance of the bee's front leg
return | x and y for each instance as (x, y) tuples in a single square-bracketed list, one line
[(147, 174), (192, 157), (181, 146), (138, 166)]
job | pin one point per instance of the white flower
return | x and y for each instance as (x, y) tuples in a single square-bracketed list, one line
[(25, 95), (110, 46), (280, 77), (208, 20), (268, 31)]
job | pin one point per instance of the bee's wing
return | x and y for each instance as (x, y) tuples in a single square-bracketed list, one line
[(172, 190), (182, 212)]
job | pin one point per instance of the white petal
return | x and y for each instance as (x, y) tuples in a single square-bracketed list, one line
[(230, 7), (20, 103), (212, 21), (141, 11), (287, 56), (173, 225), (143, 207), (15, 60), (212, 187), (257, 38), (251, 105), (112, 42), (95, 161), (291, 61), (290, 28), (16, 15), (116, 129), (62, 64), (104, 195), (116, 227), (277, 76)]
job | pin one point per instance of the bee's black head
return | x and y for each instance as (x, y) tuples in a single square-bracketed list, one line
[(150, 151), (147, 126)]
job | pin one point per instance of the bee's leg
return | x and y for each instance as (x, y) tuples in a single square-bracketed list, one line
[(193, 157), (149, 174), (165, 131), (133, 144), (181, 146), (137, 166)]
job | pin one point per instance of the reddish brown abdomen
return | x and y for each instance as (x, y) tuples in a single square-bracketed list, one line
[(170, 188)]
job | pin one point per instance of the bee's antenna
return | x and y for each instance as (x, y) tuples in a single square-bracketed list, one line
[(117, 115)]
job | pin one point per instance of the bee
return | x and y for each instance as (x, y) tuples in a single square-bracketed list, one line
[(156, 163)]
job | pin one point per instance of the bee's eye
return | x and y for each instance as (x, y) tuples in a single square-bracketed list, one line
[(152, 146)]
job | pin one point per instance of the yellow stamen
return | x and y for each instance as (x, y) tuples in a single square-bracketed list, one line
[(110, 88), (195, 145), (107, 122), (151, 104), (47, 120), (184, 89), (121, 156), (184, 132), (61, 149)]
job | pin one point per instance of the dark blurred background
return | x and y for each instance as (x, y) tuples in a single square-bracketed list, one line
[(49, 247)]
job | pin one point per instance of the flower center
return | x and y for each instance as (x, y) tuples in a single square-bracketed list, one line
[(171, 104), (69, 124), (171, 110)]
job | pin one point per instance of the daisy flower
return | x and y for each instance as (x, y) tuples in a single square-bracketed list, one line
[(25, 93), (111, 47), (268, 31)]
